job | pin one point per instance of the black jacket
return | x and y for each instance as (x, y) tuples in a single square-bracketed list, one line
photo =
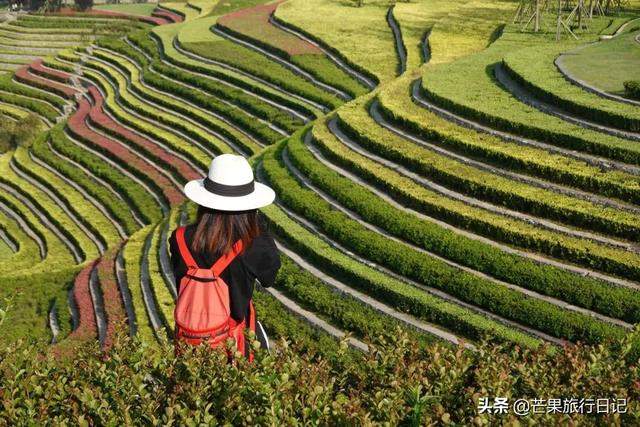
[(261, 260)]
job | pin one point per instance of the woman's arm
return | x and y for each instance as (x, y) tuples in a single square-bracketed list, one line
[(263, 259)]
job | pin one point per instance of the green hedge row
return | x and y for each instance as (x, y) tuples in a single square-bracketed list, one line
[(241, 83), (485, 223), (503, 192), (117, 208), (40, 108), (325, 71), (343, 311), (130, 81), (42, 210), (614, 301), (396, 293), (632, 88), (495, 151), (136, 197), (432, 272), (235, 96), (598, 115), (210, 103), (12, 206), (565, 140), (8, 85), (89, 225), (119, 82)]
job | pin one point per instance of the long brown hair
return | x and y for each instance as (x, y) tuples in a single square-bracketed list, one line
[(217, 231)]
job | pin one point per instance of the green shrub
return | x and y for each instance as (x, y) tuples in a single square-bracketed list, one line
[(632, 88), (395, 383)]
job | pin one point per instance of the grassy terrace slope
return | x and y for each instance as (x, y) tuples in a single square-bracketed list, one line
[(434, 170)]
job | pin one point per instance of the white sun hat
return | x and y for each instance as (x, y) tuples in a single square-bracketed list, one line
[(229, 186)]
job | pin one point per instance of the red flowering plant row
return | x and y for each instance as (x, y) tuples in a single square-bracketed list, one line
[(38, 68), (125, 156), (168, 15), (113, 303), (87, 328), (101, 120), (23, 75)]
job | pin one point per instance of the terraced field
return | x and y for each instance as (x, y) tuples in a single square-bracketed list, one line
[(445, 176)]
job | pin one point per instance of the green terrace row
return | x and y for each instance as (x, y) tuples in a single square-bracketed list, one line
[(23, 92), (480, 256), (535, 69), (417, 266), (97, 225), (396, 293), (318, 65), (16, 34), (162, 40), (235, 96), (174, 112), (501, 190), (396, 106), (139, 201), (112, 207), (147, 102), (478, 220), (484, 100), (114, 98), (256, 64), (50, 213), (167, 83)]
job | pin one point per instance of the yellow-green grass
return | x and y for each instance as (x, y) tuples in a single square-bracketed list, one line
[(133, 251), (487, 101), (253, 24), (396, 100), (8, 32), (36, 30), (48, 205), (28, 252), (205, 6), (197, 37), (181, 8), (358, 33), (82, 207), (58, 255), (142, 9), (607, 64), (222, 7), (205, 120), (166, 34), (161, 294), (511, 231), (12, 111), (536, 66)]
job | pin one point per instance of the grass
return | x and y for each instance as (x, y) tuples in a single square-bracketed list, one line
[(5, 251), (536, 69), (485, 100), (143, 9), (359, 33), (607, 64), (196, 32)]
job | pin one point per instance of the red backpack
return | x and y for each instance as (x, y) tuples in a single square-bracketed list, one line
[(202, 311)]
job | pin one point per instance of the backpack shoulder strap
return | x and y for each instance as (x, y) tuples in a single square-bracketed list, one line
[(184, 249), (224, 261)]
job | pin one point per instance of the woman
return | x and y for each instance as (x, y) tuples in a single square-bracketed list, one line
[(229, 245)]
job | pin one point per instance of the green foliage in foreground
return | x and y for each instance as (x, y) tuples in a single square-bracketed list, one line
[(632, 89), (396, 382)]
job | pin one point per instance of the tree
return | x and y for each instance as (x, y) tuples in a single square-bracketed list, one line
[(83, 5)]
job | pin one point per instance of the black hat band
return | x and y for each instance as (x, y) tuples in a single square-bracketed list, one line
[(229, 190)]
